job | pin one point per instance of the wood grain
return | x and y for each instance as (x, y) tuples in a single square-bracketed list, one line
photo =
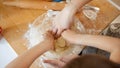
[(35, 4), (15, 21)]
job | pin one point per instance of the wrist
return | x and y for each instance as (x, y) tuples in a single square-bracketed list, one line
[(48, 44), (71, 9), (75, 5)]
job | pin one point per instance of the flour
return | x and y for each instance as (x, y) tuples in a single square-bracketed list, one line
[(90, 12), (34, 36), (36, 30), (93, 31), (44, 23)]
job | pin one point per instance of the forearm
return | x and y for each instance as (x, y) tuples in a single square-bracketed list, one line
[(109, 44), (79, 3), (75, 5), (27, 58), (106, 43), (102, 42)]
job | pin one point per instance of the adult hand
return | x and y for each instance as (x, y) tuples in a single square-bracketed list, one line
[(62, 21), (59, 63)]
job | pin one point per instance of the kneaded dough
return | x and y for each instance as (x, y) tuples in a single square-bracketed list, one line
[(42, 24)]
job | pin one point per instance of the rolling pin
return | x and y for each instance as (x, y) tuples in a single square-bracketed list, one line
[(36, 5)]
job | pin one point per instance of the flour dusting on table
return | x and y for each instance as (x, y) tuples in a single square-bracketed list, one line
[(44, 23)]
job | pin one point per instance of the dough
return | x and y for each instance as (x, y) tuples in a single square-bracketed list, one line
[(42, 24)]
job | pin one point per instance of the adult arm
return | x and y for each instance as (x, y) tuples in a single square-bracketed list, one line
[(65, 18)]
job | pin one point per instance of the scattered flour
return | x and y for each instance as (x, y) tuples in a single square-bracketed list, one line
[(42, 24), (91, 12), (33, 36)]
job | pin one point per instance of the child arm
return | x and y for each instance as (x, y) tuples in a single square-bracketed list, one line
[(26, 59), (106, 43)]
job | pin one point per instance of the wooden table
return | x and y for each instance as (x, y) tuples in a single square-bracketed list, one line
[(15, 21)]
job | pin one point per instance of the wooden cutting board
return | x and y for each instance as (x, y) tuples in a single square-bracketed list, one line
[(15, 21), (44, 5)]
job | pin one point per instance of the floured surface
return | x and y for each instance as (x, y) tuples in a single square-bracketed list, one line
[(91, 12), (15, 22), (44, 23)]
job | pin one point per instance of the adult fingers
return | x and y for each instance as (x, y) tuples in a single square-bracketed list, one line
[(56, 63), (68, 58), (54, 31), (58, 34)]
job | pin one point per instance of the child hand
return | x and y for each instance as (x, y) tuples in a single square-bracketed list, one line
[(49, 40), (69, 36), (59, 63)]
